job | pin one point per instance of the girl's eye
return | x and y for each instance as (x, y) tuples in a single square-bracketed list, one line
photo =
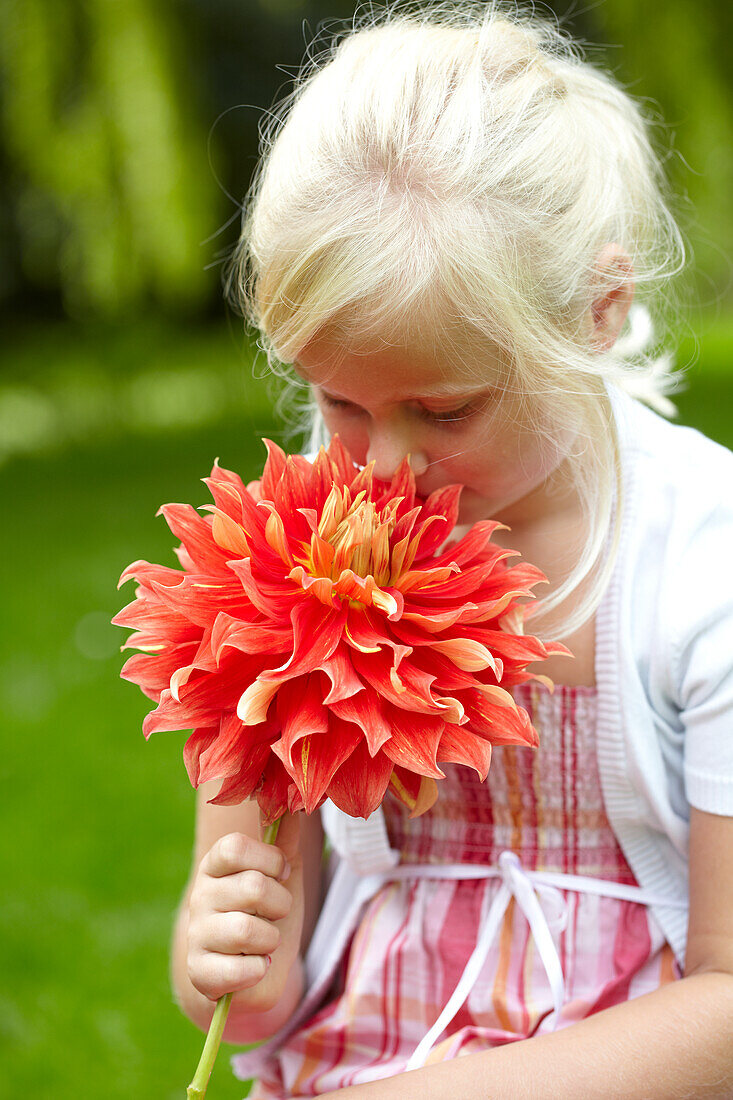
[(448, 416), (444, 417), (335, 402)]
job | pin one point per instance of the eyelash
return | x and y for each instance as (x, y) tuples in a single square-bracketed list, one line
[(444, 419)]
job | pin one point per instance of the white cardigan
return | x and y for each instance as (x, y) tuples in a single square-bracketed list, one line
[(664, 660), (664, 651), (664, 677)]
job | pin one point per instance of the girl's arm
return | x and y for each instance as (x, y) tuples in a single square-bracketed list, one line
[(267, 1002), (671, 1044)]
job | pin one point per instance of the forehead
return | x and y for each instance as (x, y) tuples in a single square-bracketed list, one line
[(394, 374)]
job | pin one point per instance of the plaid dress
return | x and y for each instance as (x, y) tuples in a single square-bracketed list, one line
[(416, 936)]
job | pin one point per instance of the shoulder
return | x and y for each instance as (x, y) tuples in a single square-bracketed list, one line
[(677, 544), (670, 453), (680, 483)]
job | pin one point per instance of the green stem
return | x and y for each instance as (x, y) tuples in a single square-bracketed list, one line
[(198, 1086), (197, 1089)]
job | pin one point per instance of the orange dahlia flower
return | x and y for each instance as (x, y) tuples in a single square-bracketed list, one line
[(319, 646)]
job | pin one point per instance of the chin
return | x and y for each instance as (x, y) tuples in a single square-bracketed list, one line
[(474, 506)]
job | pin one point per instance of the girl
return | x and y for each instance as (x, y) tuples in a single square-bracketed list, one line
[(444, 240)]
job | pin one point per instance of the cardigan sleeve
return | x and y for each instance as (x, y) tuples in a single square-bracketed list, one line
[(702, 598)]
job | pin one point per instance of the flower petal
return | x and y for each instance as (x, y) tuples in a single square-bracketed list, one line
[(254, 702), (145, 571), (291, 494), (432, 619), (229, 492), (414, 742), (492, 713), (300, 712), (417, 792), (459, 745), (152, 671), (240, 786), (366, 632), (469, 655), (155, 621), (367, 712), (273, 601), (319, 587), (359, 785), (239, 751), (255, 638), (411, 692), (227, 534), (344, 681), (194, 531), (316, 634), (476, 542), (273, 471), (198, 741), (315, 759), (341, 461), (364, 590), (275, 534), (277, 792), (444, 504), (200, 597)]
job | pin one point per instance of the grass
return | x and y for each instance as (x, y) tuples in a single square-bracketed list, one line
[(97, 823)]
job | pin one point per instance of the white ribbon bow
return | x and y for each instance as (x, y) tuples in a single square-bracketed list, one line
[(516, 884), (537, 893), (529, 889)]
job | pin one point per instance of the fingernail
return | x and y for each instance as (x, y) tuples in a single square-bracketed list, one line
[(285, 873)]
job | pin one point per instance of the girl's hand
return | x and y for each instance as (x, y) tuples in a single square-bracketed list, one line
[(240, 910)]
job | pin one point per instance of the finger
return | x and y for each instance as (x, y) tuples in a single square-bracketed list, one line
[(248, 892), (237, 852), (214, 975), (241, 934)]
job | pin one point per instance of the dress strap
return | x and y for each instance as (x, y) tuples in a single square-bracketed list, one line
[(363, 843)]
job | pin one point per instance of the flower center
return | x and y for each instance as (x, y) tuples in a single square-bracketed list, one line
[(359, 534), (349, 557)]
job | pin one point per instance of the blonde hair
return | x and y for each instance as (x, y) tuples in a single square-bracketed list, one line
[(444, 176)]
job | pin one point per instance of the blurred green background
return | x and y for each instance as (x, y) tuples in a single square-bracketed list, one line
[(129, 135)]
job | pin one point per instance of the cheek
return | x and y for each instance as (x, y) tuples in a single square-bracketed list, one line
[(353, 435), (504, 464)]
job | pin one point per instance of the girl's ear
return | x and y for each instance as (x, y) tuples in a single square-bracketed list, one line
[(614, 273)]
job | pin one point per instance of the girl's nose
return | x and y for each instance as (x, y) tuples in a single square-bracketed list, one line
[(388, 448)]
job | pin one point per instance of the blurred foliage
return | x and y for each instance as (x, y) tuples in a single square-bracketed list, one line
[(678, 55), (107, 186), (109, 202)]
